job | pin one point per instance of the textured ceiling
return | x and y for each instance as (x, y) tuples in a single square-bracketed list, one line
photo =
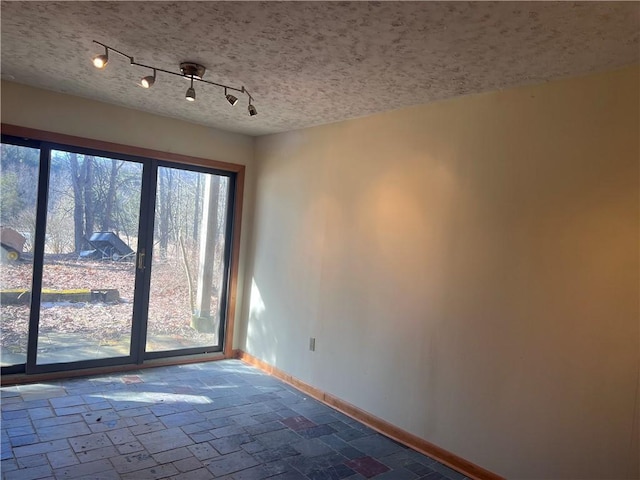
[(309, 63)]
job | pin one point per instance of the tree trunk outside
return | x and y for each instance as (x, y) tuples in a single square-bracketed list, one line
[(196, 215), (89, 207), (107, 220), (166, 184), (203, 320), (78, 210)]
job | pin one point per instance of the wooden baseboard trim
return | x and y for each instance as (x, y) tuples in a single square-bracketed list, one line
[(463, 466)]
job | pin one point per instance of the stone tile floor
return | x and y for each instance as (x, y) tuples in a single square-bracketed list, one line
[(222, 420)]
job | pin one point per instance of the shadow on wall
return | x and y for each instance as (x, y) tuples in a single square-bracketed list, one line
[(261, 340)]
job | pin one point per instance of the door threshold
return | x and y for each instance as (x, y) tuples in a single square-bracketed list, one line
[(23, 378)]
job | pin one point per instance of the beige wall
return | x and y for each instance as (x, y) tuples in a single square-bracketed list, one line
[(54, 112), (469, 269)]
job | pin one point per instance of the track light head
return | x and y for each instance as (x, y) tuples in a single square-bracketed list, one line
[(252, 110), (230, 98), (100, 61), (148, 81), (191, 93)]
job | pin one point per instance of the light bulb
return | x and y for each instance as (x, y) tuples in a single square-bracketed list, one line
[(147, 82), (100, 61)]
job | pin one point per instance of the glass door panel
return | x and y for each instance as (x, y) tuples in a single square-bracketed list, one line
[(89, 266), (188, 267), (18, 199)]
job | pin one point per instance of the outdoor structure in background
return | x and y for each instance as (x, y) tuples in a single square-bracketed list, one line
[(107, 246), (12, 244)]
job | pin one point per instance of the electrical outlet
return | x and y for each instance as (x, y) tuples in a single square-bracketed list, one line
[(312, 344)]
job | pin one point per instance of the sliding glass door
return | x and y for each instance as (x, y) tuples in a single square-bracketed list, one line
[(189, 261), (108, 259), (89, 268), (19, 167)]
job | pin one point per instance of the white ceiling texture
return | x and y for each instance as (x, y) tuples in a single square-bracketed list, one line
[(309, 63)]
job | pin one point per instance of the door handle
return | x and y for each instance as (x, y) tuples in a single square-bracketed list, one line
[(141, 255)]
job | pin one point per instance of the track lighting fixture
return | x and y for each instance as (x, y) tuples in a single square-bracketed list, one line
[(230, 98), (100, 61), (191, 93), (189, 70), (252, 109), (147, 82)]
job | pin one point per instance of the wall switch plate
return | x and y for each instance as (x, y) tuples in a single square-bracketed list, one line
[(312, 344)]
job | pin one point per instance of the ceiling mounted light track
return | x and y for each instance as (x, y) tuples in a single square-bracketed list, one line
[(189, 70)]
